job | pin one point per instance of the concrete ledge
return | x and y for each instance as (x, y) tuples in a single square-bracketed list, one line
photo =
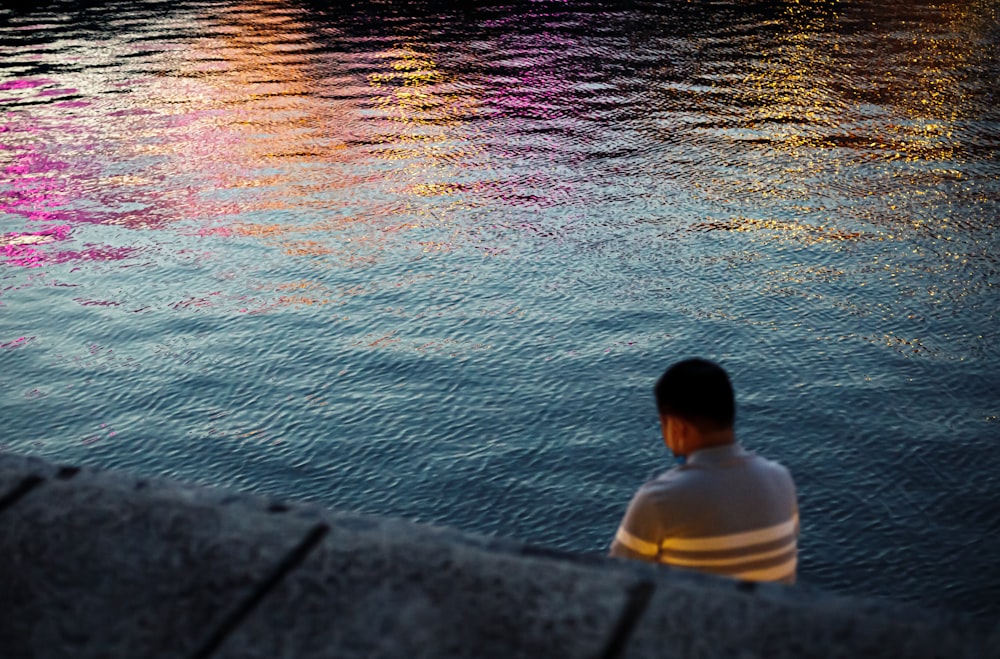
[(97, 564)]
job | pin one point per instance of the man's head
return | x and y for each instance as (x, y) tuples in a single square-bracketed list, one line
[(695, 401)]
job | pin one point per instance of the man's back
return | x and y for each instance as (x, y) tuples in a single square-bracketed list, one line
[(726, 511)]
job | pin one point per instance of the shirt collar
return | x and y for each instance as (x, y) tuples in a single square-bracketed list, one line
[(717, 454)]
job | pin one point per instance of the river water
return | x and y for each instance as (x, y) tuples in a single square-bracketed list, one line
[(427, 259)]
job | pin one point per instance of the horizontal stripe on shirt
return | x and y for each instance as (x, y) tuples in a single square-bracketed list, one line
[(636, 544), (734, 540), (733, 552), (787, 548)]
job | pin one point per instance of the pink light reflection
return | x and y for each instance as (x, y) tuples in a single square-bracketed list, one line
[(20, 249), (26, 83), (57, 92), (17, 343)]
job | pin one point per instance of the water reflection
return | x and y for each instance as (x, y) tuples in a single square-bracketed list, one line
[(296, 248)]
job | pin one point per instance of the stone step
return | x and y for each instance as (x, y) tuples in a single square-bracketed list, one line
[(101, 564)]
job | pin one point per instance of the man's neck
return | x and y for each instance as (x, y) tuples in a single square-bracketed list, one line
[(714, 438)]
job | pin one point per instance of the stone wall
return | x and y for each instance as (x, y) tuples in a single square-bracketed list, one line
[(99, 564)]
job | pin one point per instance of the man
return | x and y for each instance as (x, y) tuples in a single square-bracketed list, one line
[(724, 510)]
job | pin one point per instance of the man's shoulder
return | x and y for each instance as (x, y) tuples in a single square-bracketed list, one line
[(738, 456), (773, 466), (672, 480)]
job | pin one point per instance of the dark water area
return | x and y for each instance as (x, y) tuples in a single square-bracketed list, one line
[(426, 260)]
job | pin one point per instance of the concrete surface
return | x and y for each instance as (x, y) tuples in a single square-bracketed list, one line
[(98, 564)]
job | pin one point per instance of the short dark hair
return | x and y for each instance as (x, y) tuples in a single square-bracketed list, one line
[(699, 391)]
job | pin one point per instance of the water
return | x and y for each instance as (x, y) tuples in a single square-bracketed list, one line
[(427, 261)]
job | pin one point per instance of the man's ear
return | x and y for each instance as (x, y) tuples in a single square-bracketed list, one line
[(685, 435), (679, 438)]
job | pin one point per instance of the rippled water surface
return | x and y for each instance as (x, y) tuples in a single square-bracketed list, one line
[(427, 261)]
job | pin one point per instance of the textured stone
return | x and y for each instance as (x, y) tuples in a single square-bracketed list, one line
[(397, 590), (96, 565), (724, 619), (19, 474)]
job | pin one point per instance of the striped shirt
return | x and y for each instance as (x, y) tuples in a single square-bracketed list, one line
[(726, 511)]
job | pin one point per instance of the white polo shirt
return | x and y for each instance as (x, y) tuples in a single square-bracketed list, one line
[(726, 511)]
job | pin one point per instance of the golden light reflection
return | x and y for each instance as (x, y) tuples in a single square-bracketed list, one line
[(805, 233), (863, 130), (426, 110), (230, 116), (785, 81), (256, 124), (237, 125), (416, 92), (237, 130), (919, 81), (231, 105)]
